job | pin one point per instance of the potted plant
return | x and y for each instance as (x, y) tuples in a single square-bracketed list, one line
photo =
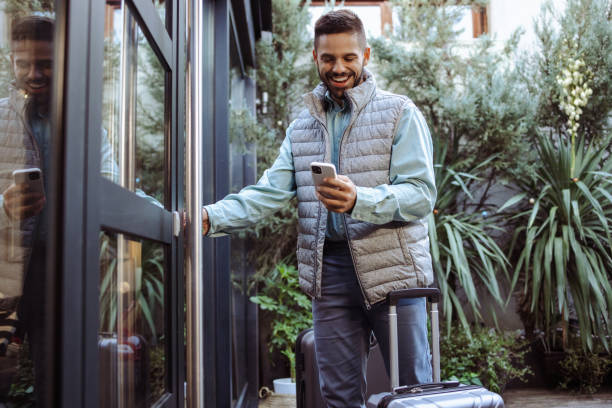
[(290, 310)]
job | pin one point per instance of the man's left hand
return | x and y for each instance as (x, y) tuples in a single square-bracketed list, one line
[(337, 195)]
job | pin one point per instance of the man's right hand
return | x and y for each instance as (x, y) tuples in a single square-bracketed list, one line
[(205, 222), (21, 203)]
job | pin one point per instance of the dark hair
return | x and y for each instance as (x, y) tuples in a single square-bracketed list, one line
[(34, 28), (339, 21)]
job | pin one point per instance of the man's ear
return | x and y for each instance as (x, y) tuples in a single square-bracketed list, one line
[(314, 55), (366, 56)]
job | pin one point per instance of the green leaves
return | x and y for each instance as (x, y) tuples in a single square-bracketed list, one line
[(488, 357), (149, 291), (472, 96), (566, 262), (289, 308), (464, 254)]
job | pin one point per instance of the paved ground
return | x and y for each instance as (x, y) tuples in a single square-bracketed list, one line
[(539, 398), (524, 398)]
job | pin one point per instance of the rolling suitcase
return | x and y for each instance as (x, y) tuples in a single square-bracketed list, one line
[(307, 373), (431, 395)]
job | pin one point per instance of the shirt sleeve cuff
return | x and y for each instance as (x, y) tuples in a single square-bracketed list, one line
[(213, 227), (362, 210)]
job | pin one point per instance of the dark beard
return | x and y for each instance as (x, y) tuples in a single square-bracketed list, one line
[(358, 79), (38, 105)]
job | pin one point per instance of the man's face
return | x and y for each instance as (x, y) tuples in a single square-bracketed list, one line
[(340, 59), (33, 67)]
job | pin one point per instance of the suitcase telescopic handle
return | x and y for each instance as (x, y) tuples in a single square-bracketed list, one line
[(433, 295)]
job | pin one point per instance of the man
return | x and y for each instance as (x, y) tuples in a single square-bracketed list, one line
[(24, 142), (362, 234)]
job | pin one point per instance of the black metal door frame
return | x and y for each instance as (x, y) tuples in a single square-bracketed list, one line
[(85, 203)]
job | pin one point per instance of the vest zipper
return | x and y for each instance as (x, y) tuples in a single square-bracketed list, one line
[(368, 306)]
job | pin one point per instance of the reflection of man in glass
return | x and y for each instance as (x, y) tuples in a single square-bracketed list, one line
[(24, 143)]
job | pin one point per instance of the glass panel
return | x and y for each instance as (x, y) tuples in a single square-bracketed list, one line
[(239, 263), (26, 151), (133, 108), (160, 6), (131, 341)]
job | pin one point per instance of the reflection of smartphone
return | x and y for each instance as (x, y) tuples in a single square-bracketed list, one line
[(33, 177), (322, 170)]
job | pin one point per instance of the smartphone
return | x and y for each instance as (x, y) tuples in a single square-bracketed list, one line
[(33, 177), (322, 170)]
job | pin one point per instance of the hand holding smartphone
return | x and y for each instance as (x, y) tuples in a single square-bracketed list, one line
[(339, 193), (321, 171), (26, 197), (31, 177)]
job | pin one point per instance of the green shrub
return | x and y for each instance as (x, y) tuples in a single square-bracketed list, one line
[(22, 393), (584, 372), (489, 358), (464, 254), (290, 309)]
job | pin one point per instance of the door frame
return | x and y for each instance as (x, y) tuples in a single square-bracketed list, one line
[(85, 203)]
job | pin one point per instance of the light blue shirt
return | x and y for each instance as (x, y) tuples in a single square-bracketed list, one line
[(410, 195)]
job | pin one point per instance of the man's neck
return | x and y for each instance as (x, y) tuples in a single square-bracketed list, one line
[(339, 101)]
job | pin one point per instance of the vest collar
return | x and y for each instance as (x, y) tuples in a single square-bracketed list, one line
[(358, 96), (17, 99)]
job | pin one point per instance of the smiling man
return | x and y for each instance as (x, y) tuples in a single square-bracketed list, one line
[(362, 234), (25, 139)]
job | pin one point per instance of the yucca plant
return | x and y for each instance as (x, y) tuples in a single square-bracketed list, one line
[(463, 253), (563, 243)]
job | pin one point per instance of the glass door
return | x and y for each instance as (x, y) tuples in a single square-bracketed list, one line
[(138, 339)]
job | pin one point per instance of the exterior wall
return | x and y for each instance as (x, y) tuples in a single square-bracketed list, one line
[(505, 16)]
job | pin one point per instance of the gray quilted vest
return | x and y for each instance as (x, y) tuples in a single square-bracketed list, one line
[(17, 151), (386, 257)]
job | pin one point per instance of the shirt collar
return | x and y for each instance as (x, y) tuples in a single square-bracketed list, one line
[(331, 104)]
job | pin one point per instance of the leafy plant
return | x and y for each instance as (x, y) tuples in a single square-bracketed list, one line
[(584, 25), (563, 242), (290, 309), (489, 357), (584, 371), (149, 293), (463, 252), (471, 94), (22, 393)]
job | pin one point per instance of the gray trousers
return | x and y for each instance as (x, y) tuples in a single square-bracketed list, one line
[(342, 328)]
